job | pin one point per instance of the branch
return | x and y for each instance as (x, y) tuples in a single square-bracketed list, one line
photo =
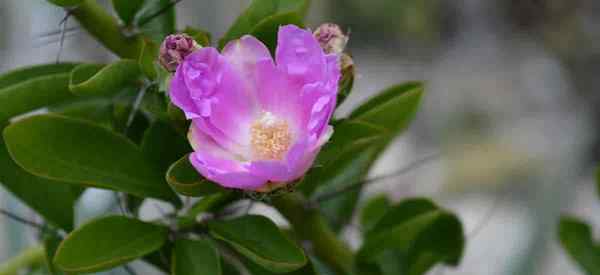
[(21, 220), (310, 225), (106, 30), (31, 256)]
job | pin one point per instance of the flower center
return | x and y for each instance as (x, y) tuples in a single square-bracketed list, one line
[(270, 137)]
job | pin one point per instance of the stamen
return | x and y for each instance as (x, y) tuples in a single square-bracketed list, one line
[(270, 137)]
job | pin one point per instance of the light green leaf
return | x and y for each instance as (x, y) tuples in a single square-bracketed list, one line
[(195, 257), (26, 73), (185, 180), (259, 239), (82, 153), (148, 59), (576, 238), (32, 94), (127, 9), (108, 242), (202, 37), (95, 79), (260, 10), (417, 233)]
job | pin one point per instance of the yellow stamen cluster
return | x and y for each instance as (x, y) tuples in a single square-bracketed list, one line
[(270, 137)]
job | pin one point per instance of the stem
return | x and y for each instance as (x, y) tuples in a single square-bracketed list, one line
[(310, 225), (106, 30), (30, 256)]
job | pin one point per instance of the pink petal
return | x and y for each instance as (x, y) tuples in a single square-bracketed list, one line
[(180, 96), (300, 55), (244, 53)]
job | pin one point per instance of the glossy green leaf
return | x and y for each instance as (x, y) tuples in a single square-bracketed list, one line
[(66, 3), (255, 269), (576, 238), (416, 233), (98, 110), (26, 73), (126, 9), (108, 242), (148, 59), (163, 146), (195, 257), (95, 79), (266, 30), (53, 200), (259, 10), (122, 111), (156, 19), (259, 239), (375, 208), (82, 153), (185, 180), (32, 94)]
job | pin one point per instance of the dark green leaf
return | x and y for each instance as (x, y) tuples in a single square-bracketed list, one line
[(26, 73), (373, 211), (53, 200), (33, 94), (66, 3), (576, 238), (79, 152), (156, 19), (258, 11), (345, 84), (185, 180), (122, 110), (211, 203), (195, 257), (148, 58), (163, 146), (98, 110), (94, 79), (126, 9), (255, 269), (202, 37), (259, 239), (108, 242), (51, 243), (417, 233), (266, 30)]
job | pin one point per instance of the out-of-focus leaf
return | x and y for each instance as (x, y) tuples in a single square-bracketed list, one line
[(576, 238), (266, 30), (98, 110), (95, 80), (65, 3), (260, 10), (345, 84), (373, 211), (177, 118), (108, 242), (82, 153), (27, 73), (32, 94), (185, 180), (148, 58), (156, 19), (255, 269), (211, 203), (126, 9), (414, 236), (259, 239), (195, 257), (122, 110), (202, 37), (163, 146), (51, 243)]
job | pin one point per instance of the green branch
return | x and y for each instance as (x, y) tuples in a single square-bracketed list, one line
[(106, 30), (310, 225), (31, 256)]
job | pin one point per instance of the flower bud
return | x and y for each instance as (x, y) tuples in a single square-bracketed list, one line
[(331, 37), (174, 49)]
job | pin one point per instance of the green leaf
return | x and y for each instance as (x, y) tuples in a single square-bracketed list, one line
[(148, 59), (122, 109), (95, 79), (255, 269), (108, 242), (259, 239), (185, 180), (32, 94), (195, 257), (53, 200), (260, 10), (98, 110), (156, 19), (417, 233), (26, 73), (66, 3), (202, 37), (576, 238), (373, 211), (163, 146), (393, 108), (82, 153), (345, 84), (127, 9), (266, 30), (210, 203)]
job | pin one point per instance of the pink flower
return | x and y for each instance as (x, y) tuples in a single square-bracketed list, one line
[(174, 49), (258, 122)]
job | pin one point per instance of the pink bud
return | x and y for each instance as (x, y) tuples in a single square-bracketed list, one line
[(331, 38), (174, 49)]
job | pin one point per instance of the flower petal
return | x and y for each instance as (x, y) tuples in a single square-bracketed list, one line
[(244, 53), (300, 55), (180, 96)]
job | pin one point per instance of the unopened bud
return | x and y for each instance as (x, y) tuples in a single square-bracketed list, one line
[(331, 37), (174, 49)]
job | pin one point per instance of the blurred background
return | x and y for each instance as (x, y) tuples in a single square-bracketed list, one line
[(511, 107)]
